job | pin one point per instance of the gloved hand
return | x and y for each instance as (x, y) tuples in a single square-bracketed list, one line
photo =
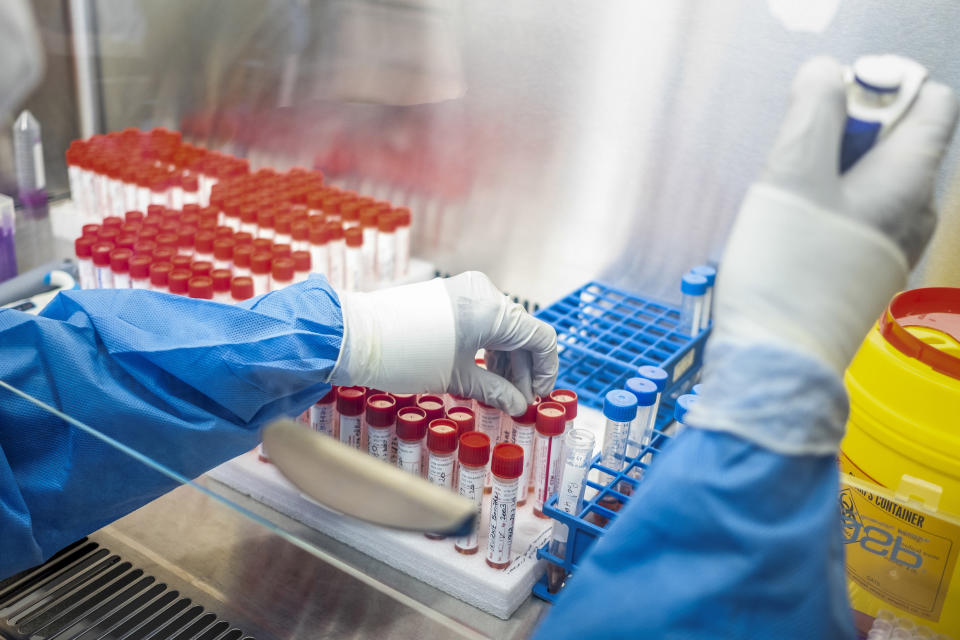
[(424, 338), (812, 260)]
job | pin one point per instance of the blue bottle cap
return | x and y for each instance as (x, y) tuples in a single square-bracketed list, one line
[(693, 284), (707, 272), (620, 406), (656, 375), (695, 390), (644, 390), (683, 405)]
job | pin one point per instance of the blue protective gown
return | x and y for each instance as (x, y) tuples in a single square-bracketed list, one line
[(185, 382)]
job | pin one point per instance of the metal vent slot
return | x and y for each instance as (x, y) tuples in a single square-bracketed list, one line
[(85, 592)]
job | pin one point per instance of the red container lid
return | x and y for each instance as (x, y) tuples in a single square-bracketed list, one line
[(334, 231), (200, 287), (126, 241), (109, 234), (507, 461), (411, 423), (350, 211), (170, 226), (566, 398), (181, 262), (140, 266), (144, 247), (551, 418), (131, 228), (464, 418), (350, 400), (241, 255), (442, 436), (202, 268), (300, 230), (241, 288), (82, 246), (403, 216), (330, 397), (112, 221), (319, 234), (133, 216), (91, 230), (163, 254), (932, 308), (190, 183), (386, 222), (100, 252), (155, 210), (474, 449), (281, 250), (405, 400), (432, 405), (178, 281), (223, 231), (167, 240), (190, 220), (190, 209), (354, 236), (248, 214), (530, 415), (148, 233), (281, 269), (260, 263), (223, 248), (186, 236), (262, 244), (283, 223), (381, 410), (221, 280), (120, 260), (243, 237), (368, 217), (160, 273), (203, 241)]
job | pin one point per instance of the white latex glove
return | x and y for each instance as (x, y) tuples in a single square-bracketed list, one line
[(424, 338), (812, 260)]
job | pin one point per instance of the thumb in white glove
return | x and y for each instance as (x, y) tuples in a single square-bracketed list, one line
[(424, 338)]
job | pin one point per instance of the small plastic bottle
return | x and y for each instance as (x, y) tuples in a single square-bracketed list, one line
[(488, 422), (578, 447), (454, 400), (203, 245), (386, 247), (620, 409), (265, 224), (223, 253), (242, 255), (190, 190), (710, 273), (441, 447), (300, 235), (403, 218), (281, 273), (524, 428), (646, 393), (335, 251), (381, 420), (350, 215), (350, 403), (696, 389), (474, 456), (464, 417), (120, 267), (411, 431), (179, 281), (140, 271), (405, 400), (548, 443), (200, 287), (694, 289), (83, 247), (506, 465), (260, 272), (102, 275), (282, 229), (241, 288), (684, 403), (301, 266), (186, 238), (432, 406), (568, 400), (221, 285), (201, 268), (323, 414), (160, 276), (248, 219), (353, 260), (368, 223), (319, 235)]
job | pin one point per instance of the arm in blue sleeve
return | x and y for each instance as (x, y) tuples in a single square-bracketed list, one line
[(722, 539), (185, 382)]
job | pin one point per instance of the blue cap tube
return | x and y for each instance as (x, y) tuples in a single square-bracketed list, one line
[(620, 409), (656, 375), (683, 406)]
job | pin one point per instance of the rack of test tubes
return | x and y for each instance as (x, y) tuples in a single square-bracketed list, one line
[(887, 626), (169, 216)]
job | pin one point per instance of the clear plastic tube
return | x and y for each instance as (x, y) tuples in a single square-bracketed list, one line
[(488, 422), (8, 254), (507, 463), (523, 433), (578, 445), (710, 273), (474, 456), (547, 449), (619, 408), (694, 288)]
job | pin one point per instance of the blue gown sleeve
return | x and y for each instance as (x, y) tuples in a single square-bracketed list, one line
[(185, 382)]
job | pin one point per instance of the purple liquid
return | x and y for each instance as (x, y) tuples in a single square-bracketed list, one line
[(8, 254)]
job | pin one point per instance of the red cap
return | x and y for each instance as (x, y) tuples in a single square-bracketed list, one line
[(132, 228), (319, 234), (223, 231), (181, 262), (167, 240), (243, 237), (402, 216), (265, 218), (190, 220), (189, 183), (300, 230), (241, 255), (186, 236), (350, 400), (464, 418), (283, 223), (405, 400), (149, 233), (202, 268), (248, 214), (262, 244), (281, 269), (354, 236), (432, 405), (83, 245), (442, 436), (334, 231), (109, 234), (223, 248), (330, 397), (551, 418), (190, 209), (160, 273), (144, 247), (170, 226), (203, 242), (381, 410), (507, 461), (200, 287), (301, 260), (163, 254), (350, 211), (100, 252), (281, 250), (133, 216), (241, 288), (221, 280), (178, 279), (411, 423), (530, 415), (260, 262), (155, 210), (120, 260), (91, 230), (386, 222), (474, 449), (140, 266), (368, 217), (126, 241), (568, 399), (112, 221)]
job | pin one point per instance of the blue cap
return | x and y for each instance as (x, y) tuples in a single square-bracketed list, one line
[(707, 272), (656, 375), (683, 405), (644, 390), (620, 406), (693, 284), (695, 390)]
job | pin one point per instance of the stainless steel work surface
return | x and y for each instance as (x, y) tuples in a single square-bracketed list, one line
[(273, 588)]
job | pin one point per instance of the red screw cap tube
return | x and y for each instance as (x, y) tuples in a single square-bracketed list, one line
[(411, 423), (381, 410), (464, 418), (160, 273), (507, 461), (200, 287), (350, 400), (474, 448), (432, 406), (442, 436), (241, 288), (551, 418), (566, 398), (178, 281)]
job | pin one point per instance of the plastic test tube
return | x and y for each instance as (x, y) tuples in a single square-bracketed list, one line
[(102, 275), (353, 260), (683, 405), (368, 224), (140, 272), (386, 247), (381, 420), (160, 276), (507, 465), (335, 257), (323, 413), (120, 267), (281, 273), (645, 391), (694, 289), (403, 218), (432, 406), (221, 285), (241, 288), (411, 431), (474, 454), (488, 422), (568, 400), (301, 266), (659, 377), (350, 402), (82, 247), (710, 273), (260, 272), (441, 445), (524, 427), (318, 248), (578, 447), (548, 443), (619, 408)]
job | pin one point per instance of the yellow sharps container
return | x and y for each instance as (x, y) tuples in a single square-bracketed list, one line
[(901, 460)]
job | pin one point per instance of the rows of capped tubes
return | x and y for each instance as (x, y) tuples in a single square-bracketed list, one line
[(888, 626)]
